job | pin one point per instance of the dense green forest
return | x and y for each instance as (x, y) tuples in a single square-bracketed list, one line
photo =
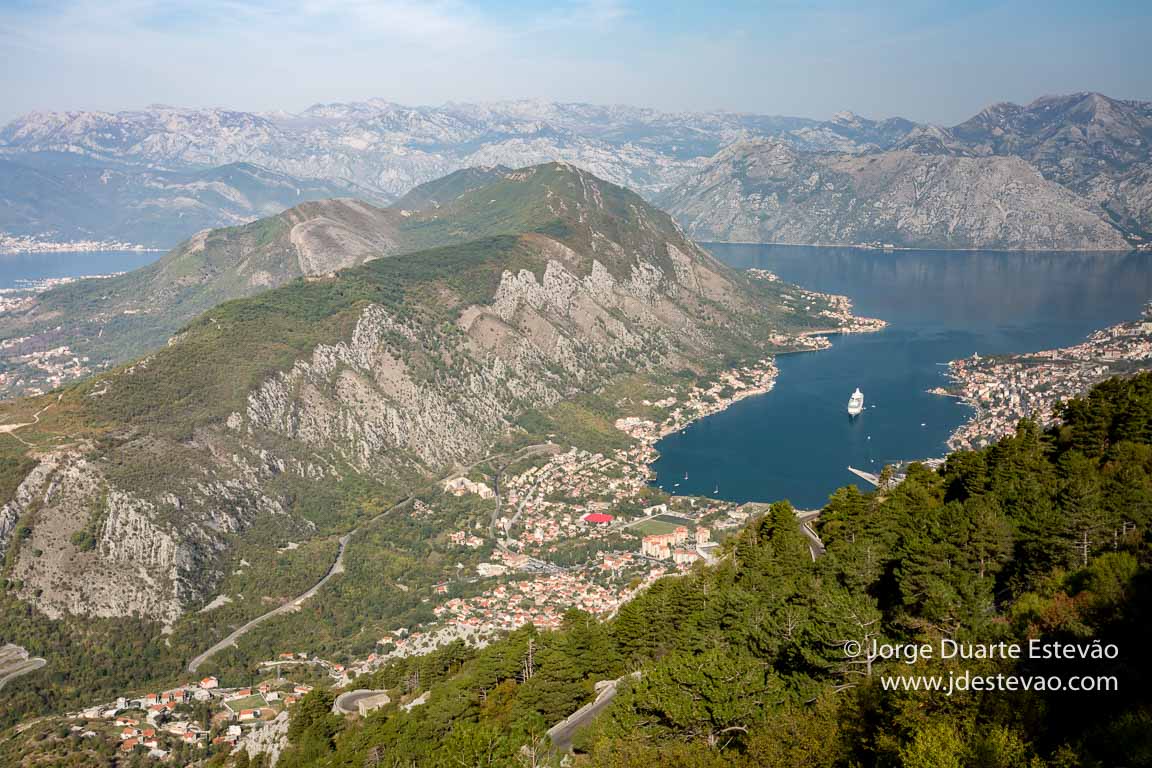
[(1042, 537)]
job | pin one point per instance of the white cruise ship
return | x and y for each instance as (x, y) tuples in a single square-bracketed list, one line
[(856, 403)]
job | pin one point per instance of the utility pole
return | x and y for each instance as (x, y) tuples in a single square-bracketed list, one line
[(1084, 547), (529, 660)]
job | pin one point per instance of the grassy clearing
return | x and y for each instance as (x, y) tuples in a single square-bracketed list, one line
[(255, 701)]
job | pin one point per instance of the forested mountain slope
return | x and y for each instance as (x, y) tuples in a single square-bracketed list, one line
[(1040, 537)]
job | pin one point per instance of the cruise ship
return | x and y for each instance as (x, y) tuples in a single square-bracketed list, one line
[(856, 403)]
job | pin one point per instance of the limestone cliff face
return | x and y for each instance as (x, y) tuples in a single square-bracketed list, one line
[(769, 192), (535, 341), (98, 550)]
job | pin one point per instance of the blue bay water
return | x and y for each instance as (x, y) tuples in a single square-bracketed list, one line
[(797, 441), (40, 266)]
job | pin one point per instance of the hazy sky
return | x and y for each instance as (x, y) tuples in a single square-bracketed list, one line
[(931, 61)]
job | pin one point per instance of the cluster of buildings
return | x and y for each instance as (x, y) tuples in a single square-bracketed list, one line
[(569, 497), (465, 539), (680, 546), (32, 361), (47, 367), (1003, 390), (696, 403), (33, 244), (838, 309), (459, 486), (540, 601), (157, 723)]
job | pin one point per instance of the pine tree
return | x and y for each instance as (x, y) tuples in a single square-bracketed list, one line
[(1086, 521)]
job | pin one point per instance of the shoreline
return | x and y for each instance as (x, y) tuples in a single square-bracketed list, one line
[(764, 373), (1003, 389), (858, 247), (19, 244)]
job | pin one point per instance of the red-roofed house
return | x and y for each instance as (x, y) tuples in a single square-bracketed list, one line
[(598, 518)]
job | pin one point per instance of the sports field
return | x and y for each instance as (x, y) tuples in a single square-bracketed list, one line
[(660, 524)]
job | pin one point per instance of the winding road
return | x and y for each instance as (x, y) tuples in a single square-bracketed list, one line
[(563, 732), (15, 661), (348, 703), (815, 546), (337, 567)]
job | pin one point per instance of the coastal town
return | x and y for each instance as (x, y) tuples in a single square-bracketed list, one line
[(837, 311), (598, 514), (35, 244), (50, 366), (1004, 389)]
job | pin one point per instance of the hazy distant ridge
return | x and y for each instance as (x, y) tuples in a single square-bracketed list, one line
[(1095, 147)]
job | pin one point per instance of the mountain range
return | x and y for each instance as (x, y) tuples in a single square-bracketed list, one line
[(158, 175), (389, 148), (77, 329), (1063, 173)]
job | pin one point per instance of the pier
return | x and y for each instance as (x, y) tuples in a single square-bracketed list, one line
[(871, 477), (897, 476)]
